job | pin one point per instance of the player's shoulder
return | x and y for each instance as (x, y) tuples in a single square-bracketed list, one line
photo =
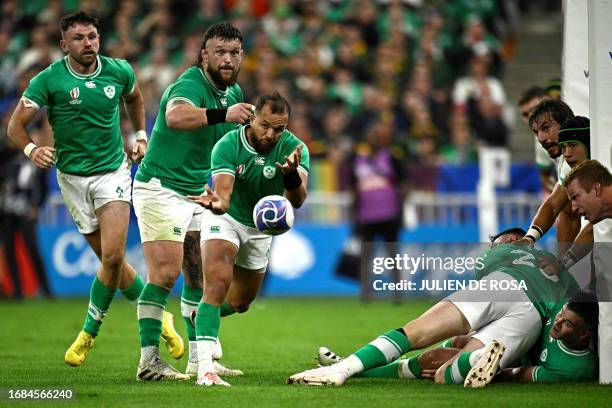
[(290, 140), (54, 69), (115, 63), (233, 137)]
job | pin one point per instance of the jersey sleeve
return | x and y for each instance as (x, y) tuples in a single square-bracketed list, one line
[(223, 157), (129, 77), (304, 165), (544, 375), (37, 91), (187, 90)]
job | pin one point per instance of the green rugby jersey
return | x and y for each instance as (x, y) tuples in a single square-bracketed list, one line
[(180, 159), (521, 262), (83, 112), (255, 174), (555, 362)]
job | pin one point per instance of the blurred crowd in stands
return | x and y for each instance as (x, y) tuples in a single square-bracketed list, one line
[(427, 71)]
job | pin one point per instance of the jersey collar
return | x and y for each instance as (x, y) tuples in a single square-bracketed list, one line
[(572, 352), (81, 76), (212, 85), (245, 141)]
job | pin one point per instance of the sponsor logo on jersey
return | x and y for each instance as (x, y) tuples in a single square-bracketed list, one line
[(119, 192), (90, 84), (215, 228), (224, 102), (269, 172), (177, 230), (74, 94), (544, 355), (260, 160), (109, 91)]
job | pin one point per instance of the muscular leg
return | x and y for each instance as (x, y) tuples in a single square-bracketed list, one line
[(218, 258), (244, 288), (108, 243), (192, 291), (454, 370), (442, 321)]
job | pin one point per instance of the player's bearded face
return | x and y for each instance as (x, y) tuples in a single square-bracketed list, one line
[(222, 61), (81, 43), (266, 129)]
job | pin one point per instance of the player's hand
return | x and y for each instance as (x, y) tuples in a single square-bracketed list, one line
[(211, 201), (524, 241), (240, 113), (43, 156), (292, 161), (428, 374), (139, 150), (549, 265)]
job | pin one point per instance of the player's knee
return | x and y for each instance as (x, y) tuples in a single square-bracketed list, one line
[(113, 261)]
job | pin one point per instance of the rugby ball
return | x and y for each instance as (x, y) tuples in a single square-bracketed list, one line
[(273, 215)]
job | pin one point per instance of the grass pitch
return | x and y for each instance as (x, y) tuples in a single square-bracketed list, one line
[(276, 338)]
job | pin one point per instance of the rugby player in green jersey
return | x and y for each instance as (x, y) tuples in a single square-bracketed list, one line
[(504, 325), (564, 353), (254, 161), (82, 93), (196, 110)]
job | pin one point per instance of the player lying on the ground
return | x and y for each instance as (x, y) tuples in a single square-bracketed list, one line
[(565, 352), (511, 319)]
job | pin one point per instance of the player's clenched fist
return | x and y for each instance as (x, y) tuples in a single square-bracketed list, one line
[(240, 113), (43, 156)]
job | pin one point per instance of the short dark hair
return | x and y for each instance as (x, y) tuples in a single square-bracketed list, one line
[(532, 93), (276, 102), (221, 30), (585, 305), (557, 109), (514, 231), (78, 17), (588, 173)]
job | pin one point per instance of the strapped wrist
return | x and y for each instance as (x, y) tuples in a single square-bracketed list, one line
[(214, 116), (534, 233), (568, 259), (28, 149), (142, 135), (292, 180)]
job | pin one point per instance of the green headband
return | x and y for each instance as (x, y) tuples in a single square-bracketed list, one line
[(577, 135)]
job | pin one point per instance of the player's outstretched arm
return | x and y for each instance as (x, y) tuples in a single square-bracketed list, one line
[(182, 115), (41, 156), (294, 180), (217, 201), (135, 107), (518, 374), (546, 215)]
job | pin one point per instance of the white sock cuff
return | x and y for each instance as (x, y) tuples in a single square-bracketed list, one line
[(352, 364), (475, 356)]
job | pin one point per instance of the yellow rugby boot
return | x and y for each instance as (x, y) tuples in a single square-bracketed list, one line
[(77, 352), (174, 342)]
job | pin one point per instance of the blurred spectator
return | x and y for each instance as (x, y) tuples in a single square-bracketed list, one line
[(23, 189), (483, 98), (351, 63), (378, 189)]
